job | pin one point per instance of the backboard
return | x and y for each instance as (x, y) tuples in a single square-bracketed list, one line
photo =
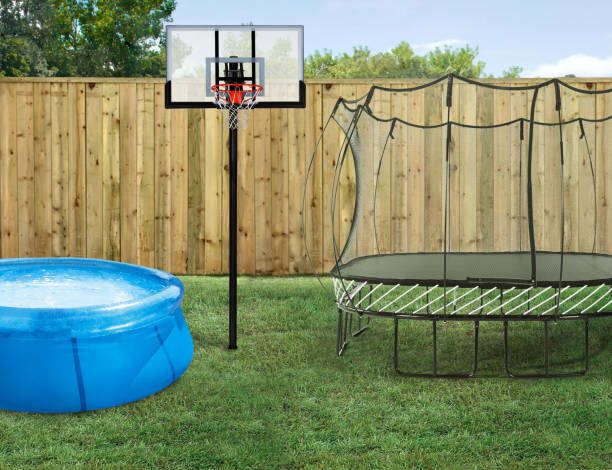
[(201, 56)]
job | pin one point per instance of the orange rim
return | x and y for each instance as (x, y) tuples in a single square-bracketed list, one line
[(237, 93)]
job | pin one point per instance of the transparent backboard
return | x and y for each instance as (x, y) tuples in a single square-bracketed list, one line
[(200, 56)]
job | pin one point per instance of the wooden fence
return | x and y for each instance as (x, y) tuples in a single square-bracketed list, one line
[(99, 168)]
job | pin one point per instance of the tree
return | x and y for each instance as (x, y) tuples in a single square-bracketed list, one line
[(83, 37), (111, 37), (460, 61), (26, 31), (400, 62), (512, 72)]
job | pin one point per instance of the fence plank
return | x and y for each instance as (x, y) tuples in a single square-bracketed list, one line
[(128, 173), (246, 201), (603, 171), (213, 188), (43, 220), (145, 183), (296, 164), (196, 239), (433, 171), (263, 206), (59, 167), (111, 172), (9, 223), (468, 179), (25, 167), (279, 191), (502, 162), (94, 145), (313, 204), (163, 186), (77, 181), (485, 171), (180, 165)]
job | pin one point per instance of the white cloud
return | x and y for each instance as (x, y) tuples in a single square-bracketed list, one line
[(580, 65), (430, 46)]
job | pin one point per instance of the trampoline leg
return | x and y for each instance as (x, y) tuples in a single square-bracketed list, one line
[(340, 341), (547, 373), (435, 373), (360, 329), (345, 328), (435, 348), (476, 325)]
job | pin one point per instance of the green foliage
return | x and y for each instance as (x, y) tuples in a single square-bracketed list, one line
[(461, 61), (26, 32), (400, 62), (512, 72), (14, 58), (84, 37)]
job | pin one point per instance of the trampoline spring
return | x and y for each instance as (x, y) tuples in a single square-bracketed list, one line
[(369, 307), (369, 294), (406, 292), (434, 300), (588, 296), (566, 299), (456, 299), (426, 293), (606, 305), (598, 300)]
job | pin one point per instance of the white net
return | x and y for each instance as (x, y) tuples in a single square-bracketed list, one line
[(236, 102)]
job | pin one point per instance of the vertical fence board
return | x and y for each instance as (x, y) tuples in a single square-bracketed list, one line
[(179, 186), (502, 161), (128, 173), (43, 220), (433, 171), (213, 186), (279, 191), (9, 223), (263, 207), (95, 162), (25, 167), (296, 164), (468, 180), (603, 171), (485, 171), (145, 182), (111, 172), (59, 167), (313, 204), (163, 185), (246, 204), (77, 179), (196, 239)]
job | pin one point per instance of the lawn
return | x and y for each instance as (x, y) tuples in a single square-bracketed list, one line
[(284, 400)]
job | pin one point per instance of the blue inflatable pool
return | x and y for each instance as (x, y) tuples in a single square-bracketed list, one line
[(82, 334)]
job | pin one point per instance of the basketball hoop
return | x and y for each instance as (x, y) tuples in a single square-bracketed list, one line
[(235, 97)]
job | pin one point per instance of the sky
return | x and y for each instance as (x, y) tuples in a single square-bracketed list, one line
[(545, 38)]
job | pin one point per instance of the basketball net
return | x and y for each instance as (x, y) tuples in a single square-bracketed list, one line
[(236, 100)]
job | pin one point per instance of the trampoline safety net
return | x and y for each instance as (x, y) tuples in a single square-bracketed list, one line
[(459, 198)]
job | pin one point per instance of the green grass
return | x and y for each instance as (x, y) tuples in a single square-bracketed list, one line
[(284, 400)]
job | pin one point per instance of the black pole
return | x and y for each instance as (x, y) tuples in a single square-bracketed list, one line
[(233, 226)]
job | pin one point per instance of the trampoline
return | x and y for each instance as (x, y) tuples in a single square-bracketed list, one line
[(83, 334), (461, 200)]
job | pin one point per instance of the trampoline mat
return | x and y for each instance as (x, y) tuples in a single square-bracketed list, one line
[(469, 269)]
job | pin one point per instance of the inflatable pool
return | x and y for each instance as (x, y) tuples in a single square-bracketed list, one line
[(82, 334)]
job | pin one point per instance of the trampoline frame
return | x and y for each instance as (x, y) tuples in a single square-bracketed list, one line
[(348, 307), (344, 297)]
